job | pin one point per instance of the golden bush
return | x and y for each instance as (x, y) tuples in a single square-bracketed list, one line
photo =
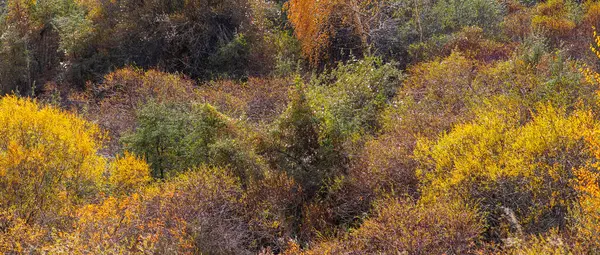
[(128, 173), (48, 159), (499, 162)]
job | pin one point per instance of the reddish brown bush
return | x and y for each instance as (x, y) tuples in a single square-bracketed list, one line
[(472, 42), (517, 24), (271, 205), (258, 99), (401, 226), (385, 166)]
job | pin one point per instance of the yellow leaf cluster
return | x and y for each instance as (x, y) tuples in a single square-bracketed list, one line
[(113, 226), (94, 8), (498, 161), (19, 237), (48, 157), (590, 75), (128, 173)]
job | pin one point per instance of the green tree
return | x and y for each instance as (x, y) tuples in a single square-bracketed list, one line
[(302, 148)]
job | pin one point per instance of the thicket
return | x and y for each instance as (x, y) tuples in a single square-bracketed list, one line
[(299, 127)]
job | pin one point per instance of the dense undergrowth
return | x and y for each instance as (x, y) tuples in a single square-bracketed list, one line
[(299, 127)]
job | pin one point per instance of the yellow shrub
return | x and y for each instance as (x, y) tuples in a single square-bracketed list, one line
[(555, 26), (590, 75), (499, 162), (114, 226), (592, 14), (552, 18), (586, 212), (48, 158), (128, 173)]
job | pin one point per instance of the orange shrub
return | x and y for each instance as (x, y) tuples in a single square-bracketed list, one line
[(586, 212), (316, 24), (113, 226)]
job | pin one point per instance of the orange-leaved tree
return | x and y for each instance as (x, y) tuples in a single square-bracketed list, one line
[(586, 213), (316, 23)]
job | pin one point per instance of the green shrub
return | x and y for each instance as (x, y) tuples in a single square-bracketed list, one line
[(114, 102), (175, 137), (351, 97), (450, 15), (231, 58)]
